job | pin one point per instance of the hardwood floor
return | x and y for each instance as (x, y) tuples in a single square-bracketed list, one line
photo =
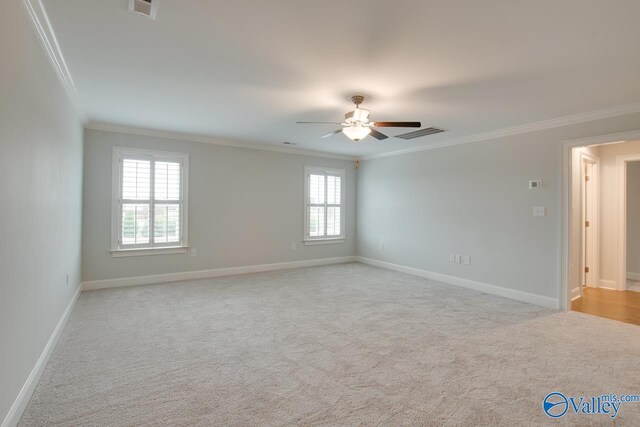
[(617, 305)]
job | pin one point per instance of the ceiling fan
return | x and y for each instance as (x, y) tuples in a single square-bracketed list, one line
[(357, 126)]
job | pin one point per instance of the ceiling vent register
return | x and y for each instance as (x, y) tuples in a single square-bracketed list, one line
[(419, 133)]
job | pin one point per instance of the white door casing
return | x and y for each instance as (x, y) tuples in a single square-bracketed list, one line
[(590, 225)]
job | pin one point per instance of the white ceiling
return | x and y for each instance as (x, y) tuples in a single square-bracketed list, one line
[(247, 70)]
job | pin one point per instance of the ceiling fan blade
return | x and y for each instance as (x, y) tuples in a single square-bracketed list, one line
[(378, 135), (331, 133), (397, 124), (306, 123)]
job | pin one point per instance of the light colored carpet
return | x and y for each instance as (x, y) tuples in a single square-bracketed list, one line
[(338, 345)]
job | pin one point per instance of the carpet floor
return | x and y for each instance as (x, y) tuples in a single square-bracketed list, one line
[(345, 344)]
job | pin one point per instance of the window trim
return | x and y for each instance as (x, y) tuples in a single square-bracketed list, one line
[(117, 250), (308, 240)]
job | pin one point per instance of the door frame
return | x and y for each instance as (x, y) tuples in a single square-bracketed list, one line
[(621, 208), (594, 224), (565, 244)]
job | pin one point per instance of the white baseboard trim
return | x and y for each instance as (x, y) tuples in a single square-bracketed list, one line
[(205, 274), (15, 412), (633, 276), (607, 284), (468, 284), (575, 293)]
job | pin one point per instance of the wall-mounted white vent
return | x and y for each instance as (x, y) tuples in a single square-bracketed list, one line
[(144, 7)]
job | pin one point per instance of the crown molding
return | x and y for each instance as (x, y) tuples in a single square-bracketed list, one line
[(516, 130), (210, 140), (484, 136), (42, 26), (604, 139)]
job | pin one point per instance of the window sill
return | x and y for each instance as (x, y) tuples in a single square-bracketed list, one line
[(323, 241), (153, 251)]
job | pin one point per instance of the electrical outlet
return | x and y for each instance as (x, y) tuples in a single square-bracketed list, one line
[(193, 252), (466, 260), (458, 259), (293, 246), (452, 257)]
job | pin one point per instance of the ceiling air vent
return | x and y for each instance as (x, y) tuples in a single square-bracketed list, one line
[(420, 132), (144, 7)]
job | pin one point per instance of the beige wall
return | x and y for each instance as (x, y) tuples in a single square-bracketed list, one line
[(41, 193), (245, 208)]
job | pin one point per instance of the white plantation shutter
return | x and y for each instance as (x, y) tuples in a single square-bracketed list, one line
[(324, 199), (316, 205), (334, 187), (167, 207), (149, 199), (136, 197)]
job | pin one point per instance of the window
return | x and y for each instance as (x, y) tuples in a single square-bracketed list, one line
[(324, 205), (149, 202)]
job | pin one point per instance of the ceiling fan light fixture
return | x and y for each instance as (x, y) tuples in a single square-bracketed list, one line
[(356, 132)]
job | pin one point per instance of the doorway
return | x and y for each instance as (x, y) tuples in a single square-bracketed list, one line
[(632, 233), (603, 259), (628, 168)]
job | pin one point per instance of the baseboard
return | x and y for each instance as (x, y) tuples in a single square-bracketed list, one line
[(468, 284), (575, 293), (19, 405), (633, 276), (205, 274), (607, 284)]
